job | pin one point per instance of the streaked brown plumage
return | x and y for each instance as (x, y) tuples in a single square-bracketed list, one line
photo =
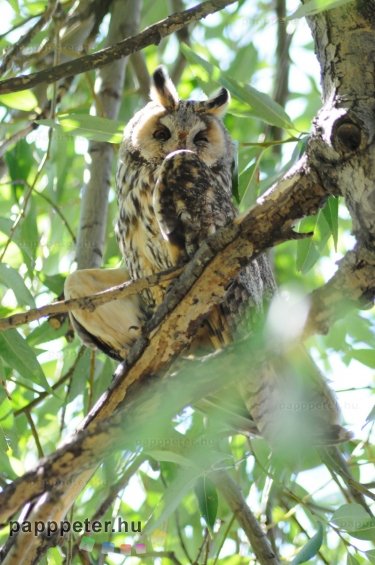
[(174, 182)]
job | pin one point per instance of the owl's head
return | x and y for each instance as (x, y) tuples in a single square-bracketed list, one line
[(167, 124)]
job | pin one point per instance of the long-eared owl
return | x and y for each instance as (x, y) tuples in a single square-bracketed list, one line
[(174, 186)]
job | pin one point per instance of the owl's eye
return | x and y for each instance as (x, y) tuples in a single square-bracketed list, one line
[(162, 134), (201, 137)]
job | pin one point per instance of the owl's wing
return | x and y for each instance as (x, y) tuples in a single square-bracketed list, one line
[(111, 327)]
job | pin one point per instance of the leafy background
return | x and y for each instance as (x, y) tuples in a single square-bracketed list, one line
[(49, 381)]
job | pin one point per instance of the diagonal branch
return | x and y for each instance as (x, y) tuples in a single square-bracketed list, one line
[(352, 286), (152, 34), (246, 519), (202, 284)]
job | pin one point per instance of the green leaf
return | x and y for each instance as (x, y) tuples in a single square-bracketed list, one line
[(5, 225), (14, 4), (208, 501), (249, 183), (307, 255), (36, 8), (55, 283), (331, 214), (20, 161), (174, 494), (371, 555), (29, 239), (45, 332), (311, 548), (10, 278), (23, 100), (181, 485), (20, 356), (353, 518), (365, 356), (261, 104), (371, 416), (91, 127), (351, 560), (315, 6), (5, 465), (366, 531), (170, 456), (6, 416)]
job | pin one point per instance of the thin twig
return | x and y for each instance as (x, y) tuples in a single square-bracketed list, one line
[(22, 213), (20, 24), (224, 538), (35, 434), (152, 34), (127, 288), (281, 80), (183, 36), (302, 529), (202, 546), (138, 63), (117, 487), (26, 38), (54, 387)]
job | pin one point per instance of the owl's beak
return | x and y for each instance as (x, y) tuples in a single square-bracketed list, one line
[(182, 136)]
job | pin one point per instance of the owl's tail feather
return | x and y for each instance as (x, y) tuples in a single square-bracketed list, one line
[(292, 412)]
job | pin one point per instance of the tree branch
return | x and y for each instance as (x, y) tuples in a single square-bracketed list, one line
[(246, 519), (202, 283), (96, 439), (152, 34), (352, 286), (89, 302), (124, 22), (24, 39)]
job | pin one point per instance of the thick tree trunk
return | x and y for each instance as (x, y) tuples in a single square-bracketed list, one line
[(342, 147)]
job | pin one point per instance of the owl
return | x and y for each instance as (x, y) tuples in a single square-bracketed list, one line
[(174, 189)]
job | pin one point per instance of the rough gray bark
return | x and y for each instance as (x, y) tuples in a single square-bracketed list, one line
[(342, 147), (94, 209), (341, 150)]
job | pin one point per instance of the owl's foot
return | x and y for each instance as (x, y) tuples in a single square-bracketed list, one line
[(112, 327)]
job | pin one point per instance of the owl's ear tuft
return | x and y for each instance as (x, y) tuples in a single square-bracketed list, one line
[(217, 105), (163, 90)]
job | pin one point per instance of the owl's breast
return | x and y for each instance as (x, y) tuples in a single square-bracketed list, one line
[(142, 244)]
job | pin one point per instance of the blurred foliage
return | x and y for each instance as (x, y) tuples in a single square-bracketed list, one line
[(49, 378)]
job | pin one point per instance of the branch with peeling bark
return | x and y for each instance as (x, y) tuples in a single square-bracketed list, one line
[(335, 154), (202, 283), (297, 195), (65, 472)]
